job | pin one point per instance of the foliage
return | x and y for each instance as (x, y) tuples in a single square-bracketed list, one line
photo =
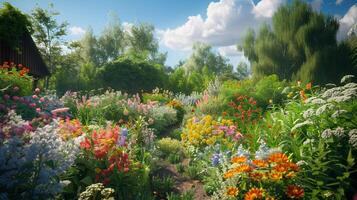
[(15, 77), (13, 25), (168, 146), (132, 75), (298, 48), (48, 36)]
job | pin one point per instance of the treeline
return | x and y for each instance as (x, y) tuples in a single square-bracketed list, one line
[(300, 44)]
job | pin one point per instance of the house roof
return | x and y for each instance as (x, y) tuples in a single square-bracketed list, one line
[(27, 54)]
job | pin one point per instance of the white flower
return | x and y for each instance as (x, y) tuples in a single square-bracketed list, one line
[(308, 113), (301, 163), (353, 138), (327, 133), (347, 78), (338, 113), (308, 141), (339, 132), (324, 108), (302, 124), (318, 101)]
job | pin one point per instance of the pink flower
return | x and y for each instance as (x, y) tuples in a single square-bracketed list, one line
[(15, 98), (42, 99), (59, 110), (32, 105), (38, 109), (37, 90), (6, 96), (16, 88), (238, 136), (34, 96)]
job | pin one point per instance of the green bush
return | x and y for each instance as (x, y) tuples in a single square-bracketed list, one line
[(168, 146), (132, 75)]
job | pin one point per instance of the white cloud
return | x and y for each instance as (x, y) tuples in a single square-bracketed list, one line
[(338, 2), (76, 30), (226, 23), (267, 8), (347, 22), (229, 51), (316, 4)]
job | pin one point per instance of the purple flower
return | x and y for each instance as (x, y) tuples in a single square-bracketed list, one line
[(216, 157), (123, 136)]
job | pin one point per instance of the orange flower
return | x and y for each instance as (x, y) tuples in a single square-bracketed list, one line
[(302, 95), (228, 174), (281, 168), (293, 166), (239, 159), (294, 191), (275, 176), (260, 163), (278, 158), (257, 176), (254, 193), (232, 191), (242, 168), (308, 86)]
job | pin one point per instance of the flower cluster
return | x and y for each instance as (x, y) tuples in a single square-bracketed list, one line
[(92, 191), (70, 128), (30, 163), (243, 109), (204, 131), (271, 176), (106, 146)]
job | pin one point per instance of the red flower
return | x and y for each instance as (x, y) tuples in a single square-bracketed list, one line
[(85, 144)]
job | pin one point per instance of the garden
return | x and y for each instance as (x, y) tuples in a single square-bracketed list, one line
[(207, 134)]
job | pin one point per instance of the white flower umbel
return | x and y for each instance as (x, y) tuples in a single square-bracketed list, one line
[(353, 138), (300, 125), (347, 78), (308, 113), (322, 109), (337, 113)]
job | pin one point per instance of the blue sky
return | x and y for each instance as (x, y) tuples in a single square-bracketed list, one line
[(221, 23)]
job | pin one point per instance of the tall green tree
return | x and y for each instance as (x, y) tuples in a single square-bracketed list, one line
[(300, 45), (142, 43), (111, 42), (48, 35), (204, 59)]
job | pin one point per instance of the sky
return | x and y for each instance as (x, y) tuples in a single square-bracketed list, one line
[(180, 23)]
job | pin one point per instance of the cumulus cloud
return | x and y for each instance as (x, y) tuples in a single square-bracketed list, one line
[(76, 30), (267, 8), (226, 22), (316, 4), (347, 22), (338, 2), (229, 51)]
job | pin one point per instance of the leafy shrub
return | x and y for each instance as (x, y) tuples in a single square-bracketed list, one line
[(188, 195), (162, 184), (168, 146), (14, 79)]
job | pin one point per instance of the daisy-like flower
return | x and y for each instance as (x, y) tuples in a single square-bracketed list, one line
[(239, 159), (278, 158), (232, 191), (260, 163), (275, 176), (295, 192), (257, 176), (254, 193)]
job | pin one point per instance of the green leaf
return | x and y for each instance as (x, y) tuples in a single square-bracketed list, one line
[(87, 180)]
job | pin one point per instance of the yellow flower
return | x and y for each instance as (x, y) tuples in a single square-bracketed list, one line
[(254, 193)]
